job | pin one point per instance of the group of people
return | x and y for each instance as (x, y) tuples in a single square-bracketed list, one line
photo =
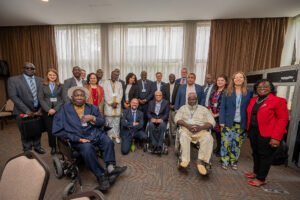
[(78, 109)]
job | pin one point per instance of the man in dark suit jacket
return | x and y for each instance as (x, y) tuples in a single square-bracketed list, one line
[(23, 91), (76, 80), (117, 70), (132, 123), (158, 85), (183, 79), (170, 92), (158, 114), (145, 94), (190, 87)]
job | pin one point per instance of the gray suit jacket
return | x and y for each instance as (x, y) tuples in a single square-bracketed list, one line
[(68, 83), (45, 95), (20, 93)]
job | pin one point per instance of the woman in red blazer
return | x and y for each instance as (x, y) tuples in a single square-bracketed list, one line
[(267, 118)]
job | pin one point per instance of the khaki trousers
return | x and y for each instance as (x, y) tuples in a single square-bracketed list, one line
[(206, 144), (172, 122)]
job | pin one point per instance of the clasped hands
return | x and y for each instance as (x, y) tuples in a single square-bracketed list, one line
[(194, 128)]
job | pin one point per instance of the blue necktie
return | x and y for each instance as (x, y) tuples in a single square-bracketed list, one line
[(33, 91), (134, 116)]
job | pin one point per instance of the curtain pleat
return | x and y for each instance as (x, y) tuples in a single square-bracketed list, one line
[(34, 44), (245, 44)]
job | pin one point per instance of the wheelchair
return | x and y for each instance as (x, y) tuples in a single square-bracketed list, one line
[(148, 147), (66, 163), (178, 149)]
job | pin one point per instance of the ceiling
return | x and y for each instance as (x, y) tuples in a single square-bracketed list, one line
[(36, 12)]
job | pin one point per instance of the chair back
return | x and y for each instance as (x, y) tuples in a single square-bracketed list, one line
[(9, 107), (25, 177)]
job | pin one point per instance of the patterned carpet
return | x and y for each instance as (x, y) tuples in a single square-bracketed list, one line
[(157, 177)]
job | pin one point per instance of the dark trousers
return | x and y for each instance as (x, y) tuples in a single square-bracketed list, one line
[(156, 132), (127, 137), (262, 154), (28, 142), (89, 155), (144, 109), (218, 140), (48, 120)]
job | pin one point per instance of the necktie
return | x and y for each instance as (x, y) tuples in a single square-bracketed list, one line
[(143, 84), (33, 91), (182, 81), (134, 116)]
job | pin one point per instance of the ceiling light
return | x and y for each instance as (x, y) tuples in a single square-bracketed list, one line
[(45, 0)]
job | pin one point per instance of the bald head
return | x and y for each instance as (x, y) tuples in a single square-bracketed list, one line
[(192, 99)]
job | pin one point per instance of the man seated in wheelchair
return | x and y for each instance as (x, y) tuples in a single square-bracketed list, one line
[(132, 123), (195, 121), (158, 114), (81, 124)]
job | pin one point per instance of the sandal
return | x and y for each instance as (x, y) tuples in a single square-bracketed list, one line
[(250, 175), (224, 166), (234, 166), (256, 183)]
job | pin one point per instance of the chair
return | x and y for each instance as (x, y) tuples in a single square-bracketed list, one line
[(25, 177), (90, 195), (6, 111)]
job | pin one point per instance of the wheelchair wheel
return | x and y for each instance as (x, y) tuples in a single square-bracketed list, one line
[(69, 189), (58, 167)]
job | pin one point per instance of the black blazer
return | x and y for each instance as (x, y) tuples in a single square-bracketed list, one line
[(133, 93), (163, 112), (166, 93), (127, 120), (68, 83), (148, 95), (154, 87), (20, 93), (45, 95)]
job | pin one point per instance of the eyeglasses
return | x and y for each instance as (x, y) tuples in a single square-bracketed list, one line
[(158, 95), (29, 68)]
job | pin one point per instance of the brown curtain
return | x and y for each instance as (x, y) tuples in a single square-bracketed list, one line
[(34, 44), (245, 45)]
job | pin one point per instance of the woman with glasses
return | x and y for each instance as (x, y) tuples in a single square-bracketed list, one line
[(266, 124), (233, 119), (51, 100)]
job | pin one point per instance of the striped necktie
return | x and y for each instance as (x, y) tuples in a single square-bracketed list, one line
[(34, 92)]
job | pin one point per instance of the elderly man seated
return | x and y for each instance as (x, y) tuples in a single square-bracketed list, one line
[(81, 124), (132, 123), (195, 121), (158, 114)]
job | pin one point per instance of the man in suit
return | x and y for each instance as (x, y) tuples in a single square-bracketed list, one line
[(158, 114), (183, 79), (208, 88), (76, 80), (23, 91), (145, 94), (132, 123), (158, 85), (83, 74), (170, 93), (190, 87)]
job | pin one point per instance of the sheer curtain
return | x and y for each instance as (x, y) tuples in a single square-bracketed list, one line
[(78, 45), (150, 47), (291, 50), (201, 53)]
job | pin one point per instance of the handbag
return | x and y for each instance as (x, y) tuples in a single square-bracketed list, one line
[(32, 127)]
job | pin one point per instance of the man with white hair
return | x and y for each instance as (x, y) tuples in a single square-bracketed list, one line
[(195, 121), (82, 125)]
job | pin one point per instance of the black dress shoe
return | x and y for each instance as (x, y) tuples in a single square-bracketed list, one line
[(118, 170), (40, 150), (103, 182), (53, 151)]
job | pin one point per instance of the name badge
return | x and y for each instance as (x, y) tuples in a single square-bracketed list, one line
[(54, 99), (215, 105), (84, 124), (143, 90), (114, 94)]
